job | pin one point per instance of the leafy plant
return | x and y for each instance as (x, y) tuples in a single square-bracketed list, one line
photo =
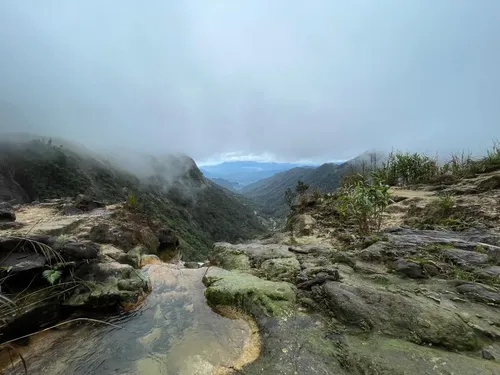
[(365, 203), (52, 275), (132, 199)]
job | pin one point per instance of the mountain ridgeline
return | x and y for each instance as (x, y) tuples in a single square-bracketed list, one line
[(170, 189), (269, 193)]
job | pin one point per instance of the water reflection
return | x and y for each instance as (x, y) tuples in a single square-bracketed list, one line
[(174, 332)]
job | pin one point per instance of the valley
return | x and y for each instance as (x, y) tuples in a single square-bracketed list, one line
[(178, 275)]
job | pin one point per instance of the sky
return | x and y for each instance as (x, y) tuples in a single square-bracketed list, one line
[(285, 80)]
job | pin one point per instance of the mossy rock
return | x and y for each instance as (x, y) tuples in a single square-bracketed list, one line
[(250, 293), (282, 269), (229, 258)]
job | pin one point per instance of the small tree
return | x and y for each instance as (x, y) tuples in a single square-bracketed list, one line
[(301, 187)]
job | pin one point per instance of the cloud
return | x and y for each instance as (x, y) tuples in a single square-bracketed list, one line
[(296, 80)]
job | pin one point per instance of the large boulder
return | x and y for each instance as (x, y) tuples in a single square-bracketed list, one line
[(254, 254), (230, 258), (167, 239), (280, 269), (250, 293), (415, 319), (87, 203), (6, 212), (108, 284), (125, 237)]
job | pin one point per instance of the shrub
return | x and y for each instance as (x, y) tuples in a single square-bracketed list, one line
[(406, 169), (352, 178), (132, 200), (364, 203), (460, 166), (301, 187)]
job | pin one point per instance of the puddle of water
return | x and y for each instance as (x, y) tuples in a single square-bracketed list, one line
[(174, 332)]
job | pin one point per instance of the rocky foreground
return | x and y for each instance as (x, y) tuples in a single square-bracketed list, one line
[(69, 257), (422, 296), (406, 300)]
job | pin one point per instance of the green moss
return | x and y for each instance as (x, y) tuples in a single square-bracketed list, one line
[(480, 249), (250, 293)]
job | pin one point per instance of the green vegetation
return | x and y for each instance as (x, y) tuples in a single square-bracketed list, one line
[(441, 212), (132, 200), (52, 275), (301, 187), (406, 169), (364, 203), (199, 211), (414, 168)]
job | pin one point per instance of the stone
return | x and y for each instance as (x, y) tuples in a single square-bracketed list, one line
[(381, 355), (229, 258), (167, 239), (489, 272), (256, 253), (86, 203), (486, 354), (191, 265), (480, 293), (250, 293), (79, 250), (410, 269), (130, 258), (6, 212), (303, 224), (11, 225), (465, 258), (415, 319), (281, 269), (111, 284)]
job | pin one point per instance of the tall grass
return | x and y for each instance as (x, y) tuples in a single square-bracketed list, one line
[(404, 168)]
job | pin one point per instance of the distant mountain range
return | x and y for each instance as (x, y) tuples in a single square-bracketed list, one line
[(238, 174), (269, 193)]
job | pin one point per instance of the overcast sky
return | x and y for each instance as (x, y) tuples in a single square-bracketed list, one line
[(278, 79)]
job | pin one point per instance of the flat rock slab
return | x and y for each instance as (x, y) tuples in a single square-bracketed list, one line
[(416, 319), (379, 355)]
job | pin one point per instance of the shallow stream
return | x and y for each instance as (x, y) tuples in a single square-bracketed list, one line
[(174, 332)]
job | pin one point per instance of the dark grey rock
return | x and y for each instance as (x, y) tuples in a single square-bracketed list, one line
[(87, 203), (79, 250), (465, 258), (409, 269), (417, 319), (480, 293), (7, 213), (486, 354)]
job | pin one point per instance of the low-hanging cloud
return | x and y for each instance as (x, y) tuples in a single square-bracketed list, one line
[(298, 80)]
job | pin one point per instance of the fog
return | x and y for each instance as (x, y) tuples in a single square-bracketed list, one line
[(292, 80)]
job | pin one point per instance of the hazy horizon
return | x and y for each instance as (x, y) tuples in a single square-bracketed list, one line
[(253, 80)]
